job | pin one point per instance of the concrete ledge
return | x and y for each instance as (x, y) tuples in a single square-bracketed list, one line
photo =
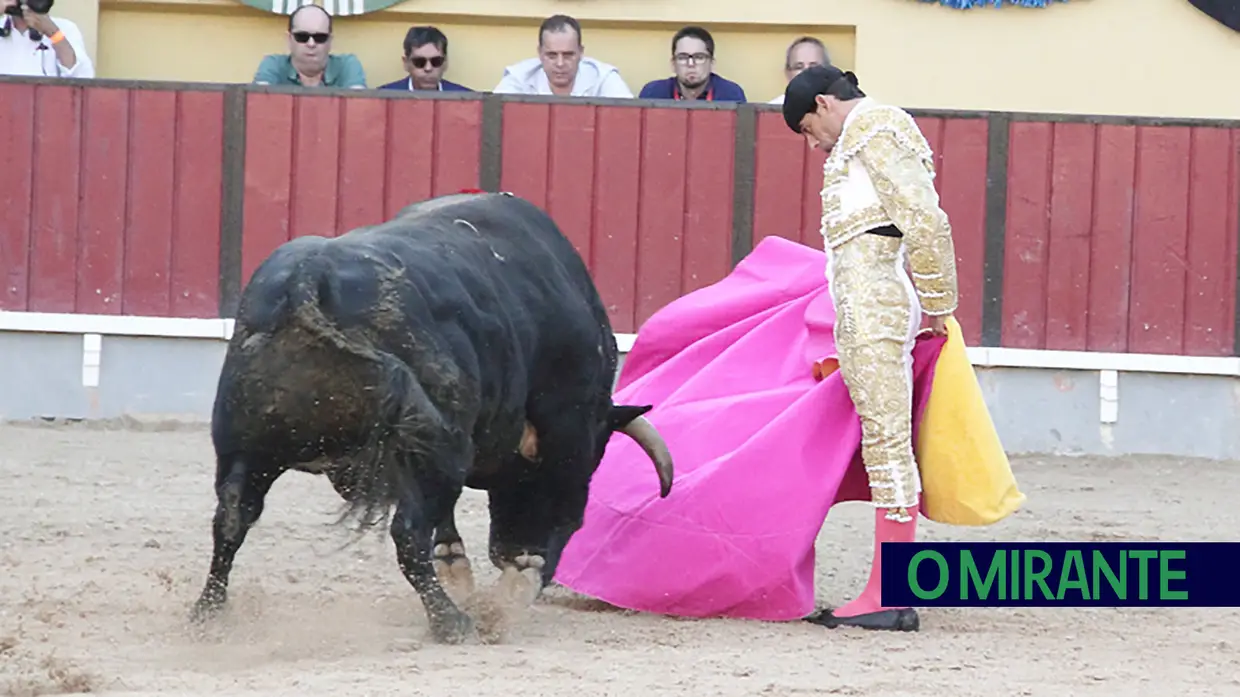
[(69, 366)]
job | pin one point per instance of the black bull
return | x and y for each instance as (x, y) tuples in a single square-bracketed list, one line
[(462, 343)]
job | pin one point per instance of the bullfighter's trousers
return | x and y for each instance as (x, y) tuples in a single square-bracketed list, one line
[(877, 317)]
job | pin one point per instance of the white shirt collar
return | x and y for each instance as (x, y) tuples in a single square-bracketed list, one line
[(438, 85)]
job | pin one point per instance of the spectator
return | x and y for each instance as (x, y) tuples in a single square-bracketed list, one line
[(693, 68), (426, 60), (309, 61), (561, 67), (39, 45), (802, 53)]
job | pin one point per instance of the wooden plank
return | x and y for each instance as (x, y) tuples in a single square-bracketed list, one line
[(527, 129), (196, 222), (1071, 221), (1210, 294), (316, 166), (961, 182), (779, 167), (458, 144), (615, 197), (17, 109), (152, 185), (268, 175), (1110, 240), (363, 155), (660, 233), (1160, 240), (54, 211), (708, 199), (409, 166), (1024, 268), (104, 181), (570, 174)]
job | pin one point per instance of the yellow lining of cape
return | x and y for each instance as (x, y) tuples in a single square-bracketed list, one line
[(966, 478)]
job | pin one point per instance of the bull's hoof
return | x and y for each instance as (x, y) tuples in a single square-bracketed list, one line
[(207, 607), (454, 628), (902, 620), (454, 570)]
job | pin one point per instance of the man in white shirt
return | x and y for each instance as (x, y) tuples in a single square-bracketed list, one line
[(40, 45), (802, 53), (561, 67)]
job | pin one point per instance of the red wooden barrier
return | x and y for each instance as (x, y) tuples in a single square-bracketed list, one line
[(1118, 237), (110, 200), (322, 165), (788, 184), (1121, 238), (644, 194)]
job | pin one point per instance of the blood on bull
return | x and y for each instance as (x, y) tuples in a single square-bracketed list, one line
[(461, 343)]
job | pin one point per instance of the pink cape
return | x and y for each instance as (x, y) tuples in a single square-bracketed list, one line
[(762, 449)]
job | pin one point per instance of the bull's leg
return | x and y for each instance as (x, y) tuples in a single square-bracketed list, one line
[(426, 501), (451, 565), (533, 516), (241, 486)]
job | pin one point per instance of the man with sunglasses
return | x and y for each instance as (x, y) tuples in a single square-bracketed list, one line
[(426, 60), (309, 61)]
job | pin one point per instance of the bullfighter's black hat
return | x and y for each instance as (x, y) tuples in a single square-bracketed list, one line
[(802, 89)]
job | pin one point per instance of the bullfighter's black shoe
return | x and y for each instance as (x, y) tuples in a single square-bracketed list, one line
[(902, 620)]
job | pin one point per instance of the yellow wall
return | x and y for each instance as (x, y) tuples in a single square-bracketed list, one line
[(1086, 56), (233, 37)]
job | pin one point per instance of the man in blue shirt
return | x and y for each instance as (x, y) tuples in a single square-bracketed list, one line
[(426, 60), (693, 65)]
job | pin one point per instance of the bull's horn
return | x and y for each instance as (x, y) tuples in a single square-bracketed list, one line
[(644, 433)]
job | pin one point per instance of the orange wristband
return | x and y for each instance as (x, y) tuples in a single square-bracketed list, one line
[(57, 37)]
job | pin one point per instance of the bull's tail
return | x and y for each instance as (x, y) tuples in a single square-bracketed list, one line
[(407, 431)]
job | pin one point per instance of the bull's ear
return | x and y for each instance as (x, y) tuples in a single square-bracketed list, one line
[(623, 414)]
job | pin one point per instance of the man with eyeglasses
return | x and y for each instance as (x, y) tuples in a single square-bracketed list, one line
[(309, 61), (693, 68), (426, 60)]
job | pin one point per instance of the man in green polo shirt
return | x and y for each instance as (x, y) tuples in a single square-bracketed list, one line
[(310, 62)]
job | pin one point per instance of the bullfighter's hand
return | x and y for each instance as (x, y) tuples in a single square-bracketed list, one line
[(938, 325)]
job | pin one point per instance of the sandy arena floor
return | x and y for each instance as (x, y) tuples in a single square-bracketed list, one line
[(105, 538)]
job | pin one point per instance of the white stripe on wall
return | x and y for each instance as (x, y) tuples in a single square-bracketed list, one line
[(981, 356)]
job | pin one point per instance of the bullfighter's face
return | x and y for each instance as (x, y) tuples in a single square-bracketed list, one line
[(823, 126)]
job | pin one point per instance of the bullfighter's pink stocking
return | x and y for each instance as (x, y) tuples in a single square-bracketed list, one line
[(884, 531)]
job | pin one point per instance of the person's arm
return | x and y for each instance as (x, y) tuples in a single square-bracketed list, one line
[(67, 44), (268, 72), (614, 86), (352, 74), (904, 181), (509, 84)]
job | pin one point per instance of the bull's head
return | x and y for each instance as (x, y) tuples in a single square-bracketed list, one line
[(537, 512)]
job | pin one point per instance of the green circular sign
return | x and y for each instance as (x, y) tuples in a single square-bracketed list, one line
[(335, 8)]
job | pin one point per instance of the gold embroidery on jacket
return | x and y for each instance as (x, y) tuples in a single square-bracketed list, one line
[(895, 186)]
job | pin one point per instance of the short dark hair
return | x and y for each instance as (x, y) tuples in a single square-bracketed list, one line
[(293, 14), (802, 91), (421, 36), (695, 32), (558, 23), (826, 57)]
